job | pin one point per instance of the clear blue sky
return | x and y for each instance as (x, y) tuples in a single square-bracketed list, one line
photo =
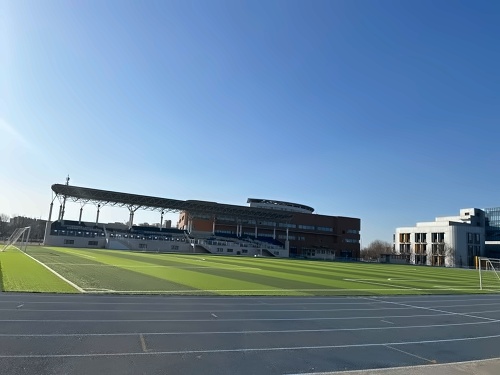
[(383, 110)]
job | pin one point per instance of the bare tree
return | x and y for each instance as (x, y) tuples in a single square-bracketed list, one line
[(375, 249), (449, 255)]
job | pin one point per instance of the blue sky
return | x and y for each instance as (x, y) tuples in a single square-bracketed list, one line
[(383, 110)]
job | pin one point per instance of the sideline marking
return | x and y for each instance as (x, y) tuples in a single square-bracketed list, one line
[(243, 350), (55, 273)]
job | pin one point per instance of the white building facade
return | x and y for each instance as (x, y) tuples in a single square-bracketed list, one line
[(450, 241)]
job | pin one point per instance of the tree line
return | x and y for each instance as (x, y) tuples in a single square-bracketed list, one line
[(373, 251), (8, 225)]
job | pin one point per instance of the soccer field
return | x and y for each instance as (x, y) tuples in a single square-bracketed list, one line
[(112, 271)]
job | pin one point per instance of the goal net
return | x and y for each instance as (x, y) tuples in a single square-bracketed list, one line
[(489, 274), (18, 239)]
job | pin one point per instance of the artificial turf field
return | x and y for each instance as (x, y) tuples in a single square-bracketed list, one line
[(113, 271)]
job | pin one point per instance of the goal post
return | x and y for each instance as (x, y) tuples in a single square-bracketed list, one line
[(489, 273), (20, 237)]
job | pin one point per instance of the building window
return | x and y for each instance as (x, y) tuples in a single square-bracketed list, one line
[(69, 242), (143, 246), (244, 251), (286, 225), (229, 250), (175, 247), (306, 227), (92, 243), (327, 229), (350, 240), (437, 237), (420, 237), (404, 237)]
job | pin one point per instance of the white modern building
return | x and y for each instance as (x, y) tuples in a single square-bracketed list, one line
[(451, 241)]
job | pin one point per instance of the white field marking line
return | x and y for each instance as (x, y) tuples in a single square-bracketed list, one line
[(396, 279), (407, 368), (98, 289), (385, 321), (245, 350), (258, 332), (84, 255), (383, 284), (437, 310), (58, 275), (444, 287), (153, 266), (410, 354)]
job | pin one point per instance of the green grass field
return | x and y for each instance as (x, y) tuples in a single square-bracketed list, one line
[(112, 271)]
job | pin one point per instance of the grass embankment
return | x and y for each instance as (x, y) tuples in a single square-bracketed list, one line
[(20, 273)]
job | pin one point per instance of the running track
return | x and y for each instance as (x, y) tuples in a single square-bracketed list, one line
[(104, 334)]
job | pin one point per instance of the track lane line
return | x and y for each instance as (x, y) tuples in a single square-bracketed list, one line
[(249, 350)]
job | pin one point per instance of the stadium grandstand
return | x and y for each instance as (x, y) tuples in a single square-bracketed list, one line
[(263, 228)]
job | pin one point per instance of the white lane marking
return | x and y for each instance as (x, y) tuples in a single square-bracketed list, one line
[(355, 299), (84, 300), (244, 350), (209, 311), (436, 310), (58, 275), (385, 321), (240, 332), (284, 290), (411, 354), (403, 307), (189, 302), (222, 320)]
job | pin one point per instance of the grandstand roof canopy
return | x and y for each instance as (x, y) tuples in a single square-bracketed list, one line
[(278, 204), (194, 207)]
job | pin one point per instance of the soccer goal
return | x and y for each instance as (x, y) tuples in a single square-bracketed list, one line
[(19, 239), (489, 277)]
